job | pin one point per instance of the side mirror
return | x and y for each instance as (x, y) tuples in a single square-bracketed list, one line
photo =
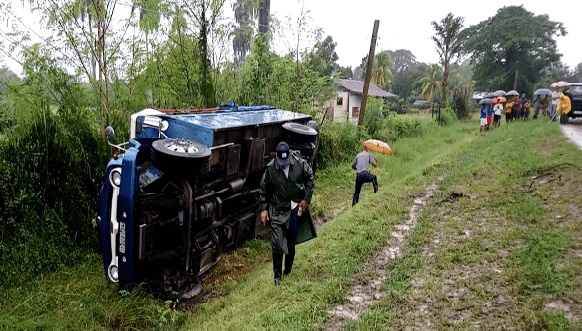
[(110, 133)]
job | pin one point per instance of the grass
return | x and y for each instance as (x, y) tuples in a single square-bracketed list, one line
[(325, 266), (498, 256), (506, 254), (79, 298)]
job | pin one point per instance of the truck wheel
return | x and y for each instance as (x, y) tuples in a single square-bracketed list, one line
[(180, 157), (299, 133), (314, 125)]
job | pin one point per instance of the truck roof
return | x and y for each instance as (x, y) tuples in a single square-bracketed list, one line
[(202, 125), (232, 119)]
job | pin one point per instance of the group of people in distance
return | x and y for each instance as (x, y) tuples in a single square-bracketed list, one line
[(518, 108), (558, 103), (514, 109)]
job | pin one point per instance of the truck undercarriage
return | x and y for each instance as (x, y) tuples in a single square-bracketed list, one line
[(173, 206)]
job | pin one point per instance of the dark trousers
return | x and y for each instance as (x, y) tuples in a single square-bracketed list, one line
[(291, 239), (564, 119), (362, 178)]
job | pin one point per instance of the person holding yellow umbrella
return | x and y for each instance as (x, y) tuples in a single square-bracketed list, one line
[(361, 164)]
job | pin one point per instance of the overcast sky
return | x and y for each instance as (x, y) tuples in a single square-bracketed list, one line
[(403, 24), (406, 24)]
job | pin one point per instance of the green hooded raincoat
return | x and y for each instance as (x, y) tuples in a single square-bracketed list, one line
[(277, 191)]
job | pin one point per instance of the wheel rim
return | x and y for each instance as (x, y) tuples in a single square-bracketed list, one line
[(181, 146)]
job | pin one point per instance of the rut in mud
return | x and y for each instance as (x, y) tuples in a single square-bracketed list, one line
[(366, 289)]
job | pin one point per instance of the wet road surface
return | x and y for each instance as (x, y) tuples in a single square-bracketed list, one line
[(573, 131)]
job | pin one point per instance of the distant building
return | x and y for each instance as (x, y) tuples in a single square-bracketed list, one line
[(349, 99)]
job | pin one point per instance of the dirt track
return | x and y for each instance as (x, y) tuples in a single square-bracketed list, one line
[(366, 288)]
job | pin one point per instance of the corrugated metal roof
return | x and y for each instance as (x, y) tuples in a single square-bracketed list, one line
[(357, 86)]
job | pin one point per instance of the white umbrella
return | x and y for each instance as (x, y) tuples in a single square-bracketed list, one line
[(562, 84)]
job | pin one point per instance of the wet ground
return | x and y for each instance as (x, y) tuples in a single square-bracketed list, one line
[(366, 289), (573, 131)]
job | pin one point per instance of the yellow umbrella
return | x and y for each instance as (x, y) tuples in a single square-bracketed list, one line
[(378, 146)]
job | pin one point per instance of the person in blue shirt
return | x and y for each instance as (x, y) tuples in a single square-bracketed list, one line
[(483, 117), (489, 113)]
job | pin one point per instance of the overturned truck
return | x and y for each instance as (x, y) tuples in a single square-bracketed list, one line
[(185, 189)]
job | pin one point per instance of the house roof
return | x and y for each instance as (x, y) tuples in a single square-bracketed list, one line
[(357, 86)]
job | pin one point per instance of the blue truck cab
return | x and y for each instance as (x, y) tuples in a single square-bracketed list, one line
[(185, 189)]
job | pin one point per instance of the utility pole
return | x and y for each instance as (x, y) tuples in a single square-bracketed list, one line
[(368, 73)]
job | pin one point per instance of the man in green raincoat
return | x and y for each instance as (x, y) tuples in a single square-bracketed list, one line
[(286, 190)]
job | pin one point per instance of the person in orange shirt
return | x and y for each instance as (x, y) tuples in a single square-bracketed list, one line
[(508, 110)]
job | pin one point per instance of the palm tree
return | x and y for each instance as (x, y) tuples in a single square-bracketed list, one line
[(448, 45), (381, 74), (431, 84)]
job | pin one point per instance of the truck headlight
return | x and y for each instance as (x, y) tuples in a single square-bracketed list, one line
[(115, 177), (113, 273)]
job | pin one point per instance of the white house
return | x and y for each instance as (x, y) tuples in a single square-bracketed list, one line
[(347, 104)]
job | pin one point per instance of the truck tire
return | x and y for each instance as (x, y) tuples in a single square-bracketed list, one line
[(180, 157), (314, 125), (299, 133)]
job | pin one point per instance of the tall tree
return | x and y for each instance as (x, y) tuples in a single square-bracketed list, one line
[(431, 84), (245, 12), (264, 16), (343, 73), (460, 73), (381, 73), (67, 19), (512, 40), (323, 58), (149, 17), (402, 60), (407, 83), (358, 73), (360, 70), (448, 45), (205, 14), (385, 67)]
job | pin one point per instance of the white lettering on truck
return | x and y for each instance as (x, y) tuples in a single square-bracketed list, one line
[(122, 237)]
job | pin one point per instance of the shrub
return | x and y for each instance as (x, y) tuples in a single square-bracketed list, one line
[(50, 168), (373, 122), (339, 142), (448, 116), (401, 126)]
